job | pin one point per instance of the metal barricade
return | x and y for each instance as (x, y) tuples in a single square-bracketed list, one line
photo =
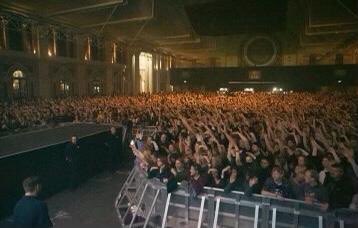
[(145, 203), (140, 201)]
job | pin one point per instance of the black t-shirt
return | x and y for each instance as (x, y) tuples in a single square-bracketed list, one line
[(317, 193), (340, 193), (72, 152), (30, 212), (113, 143), (283, 188)]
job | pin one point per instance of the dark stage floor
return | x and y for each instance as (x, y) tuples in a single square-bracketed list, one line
[(90, 206), (9, 145)]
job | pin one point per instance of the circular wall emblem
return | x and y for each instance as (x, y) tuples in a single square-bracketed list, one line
[(260, 51)]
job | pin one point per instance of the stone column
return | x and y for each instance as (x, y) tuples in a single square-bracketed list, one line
[(166, 73), (156, 79), (127, 81), (108, 80), (45, 85), (81, 66), (108, 57), (3, 34), (81, 82), (42, 42), (136, 76)]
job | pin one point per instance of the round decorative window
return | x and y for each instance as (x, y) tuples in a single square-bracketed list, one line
[(260, 51)]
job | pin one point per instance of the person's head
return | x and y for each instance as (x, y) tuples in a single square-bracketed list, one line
[(311, 177), (160, 162), (194, 170), (163, 138), (277, 173), (252, 178), (171, 158), (214, 173), (336, 171), (301, 160), (171, 148), (264, 163), (254, 148), (179, 165), (299, 175), (113, 130), (248, 159), (327, 161), (291, 143), (74, 139), (32, 185)]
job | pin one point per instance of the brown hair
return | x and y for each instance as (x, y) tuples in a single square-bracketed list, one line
[(30, 183)]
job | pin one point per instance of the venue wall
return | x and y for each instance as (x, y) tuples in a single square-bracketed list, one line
[(265, 78)]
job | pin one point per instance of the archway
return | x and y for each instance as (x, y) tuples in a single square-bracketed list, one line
[(96, 87), (62, 88), (19, 84)]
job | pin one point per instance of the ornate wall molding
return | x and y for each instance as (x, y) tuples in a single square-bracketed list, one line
[(260, 50)]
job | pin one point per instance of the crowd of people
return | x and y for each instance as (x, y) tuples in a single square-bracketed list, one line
[(296, 145), (300, 146)]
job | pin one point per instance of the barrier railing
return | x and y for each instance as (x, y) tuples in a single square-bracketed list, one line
[(144, 202)]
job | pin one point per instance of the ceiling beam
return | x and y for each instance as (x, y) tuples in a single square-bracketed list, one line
[(89, 7), (118, 21), (171, 43), (123, 20), (187, 35)]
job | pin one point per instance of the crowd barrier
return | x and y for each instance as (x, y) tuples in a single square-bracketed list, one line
[(145, 202)]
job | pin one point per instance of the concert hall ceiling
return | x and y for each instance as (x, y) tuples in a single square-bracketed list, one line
[(198, 28)]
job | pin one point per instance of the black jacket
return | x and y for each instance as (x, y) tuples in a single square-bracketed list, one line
[(31, 212)]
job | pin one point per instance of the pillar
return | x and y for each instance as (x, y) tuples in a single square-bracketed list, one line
[(45, 85), (136, 74)]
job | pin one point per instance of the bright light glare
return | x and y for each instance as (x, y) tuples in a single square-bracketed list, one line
[(275, 89), (249, 90)]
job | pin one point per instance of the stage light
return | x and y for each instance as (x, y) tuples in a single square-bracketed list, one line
[(34, 51), (276, 89), (185, 81), (223, 91), (339, 81), (49, 53), (251, 90)]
